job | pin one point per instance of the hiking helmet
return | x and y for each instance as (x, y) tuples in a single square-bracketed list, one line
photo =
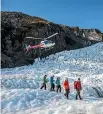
[(78, 78), (58, 77)]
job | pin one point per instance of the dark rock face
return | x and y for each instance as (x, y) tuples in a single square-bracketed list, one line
[(16, 26)]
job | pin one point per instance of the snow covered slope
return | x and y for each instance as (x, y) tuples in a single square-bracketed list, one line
[(20, 86)]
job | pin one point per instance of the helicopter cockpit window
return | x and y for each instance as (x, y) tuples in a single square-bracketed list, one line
[(46, 42)]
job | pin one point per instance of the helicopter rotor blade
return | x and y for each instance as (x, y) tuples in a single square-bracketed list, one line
[(42, 38), (51, 36), (34, 38)]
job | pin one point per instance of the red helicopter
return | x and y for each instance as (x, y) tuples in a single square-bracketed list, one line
[(43, 44)]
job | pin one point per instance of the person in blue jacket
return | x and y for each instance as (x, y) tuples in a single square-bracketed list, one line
[(52, 83), (58, 85)]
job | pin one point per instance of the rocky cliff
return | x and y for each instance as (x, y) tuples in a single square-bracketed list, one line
[(16, 26)]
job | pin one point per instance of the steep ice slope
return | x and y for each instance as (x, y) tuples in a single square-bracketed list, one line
[(20, 86)]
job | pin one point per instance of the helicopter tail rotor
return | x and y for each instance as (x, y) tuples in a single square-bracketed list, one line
[(28, 48)]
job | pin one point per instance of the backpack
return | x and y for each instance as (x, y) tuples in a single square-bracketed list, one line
[(75, 85)]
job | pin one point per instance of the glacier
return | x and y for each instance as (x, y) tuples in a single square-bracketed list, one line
[(20, 86)]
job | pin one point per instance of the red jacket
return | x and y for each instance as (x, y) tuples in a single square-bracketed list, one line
[(66, 84), (78, 85)]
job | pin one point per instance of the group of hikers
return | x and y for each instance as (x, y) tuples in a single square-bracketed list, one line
[(77, 86)]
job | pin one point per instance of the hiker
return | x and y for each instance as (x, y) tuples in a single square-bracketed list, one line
[(58, 86), (78, 87), (66, 87), (45, 80), (52, 83)]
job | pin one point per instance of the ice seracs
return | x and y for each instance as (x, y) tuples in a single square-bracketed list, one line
[(21, 86)]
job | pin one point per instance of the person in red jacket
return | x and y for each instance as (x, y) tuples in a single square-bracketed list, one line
[(78, 87), (66, 87)]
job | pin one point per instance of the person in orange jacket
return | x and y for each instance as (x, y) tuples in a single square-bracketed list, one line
[(78, 87), (66, 87)]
